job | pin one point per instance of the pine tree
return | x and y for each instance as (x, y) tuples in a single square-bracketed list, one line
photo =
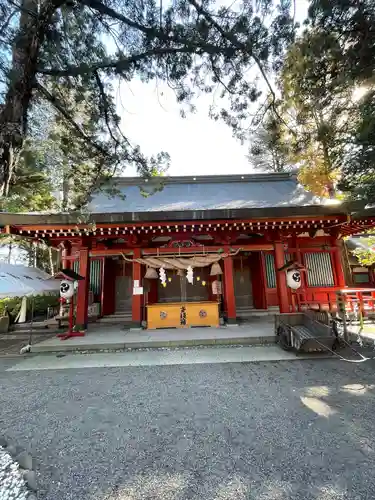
[(268, 147), (317, 106), (53, 46)]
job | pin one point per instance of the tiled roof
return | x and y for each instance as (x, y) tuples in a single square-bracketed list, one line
[(206, 193)]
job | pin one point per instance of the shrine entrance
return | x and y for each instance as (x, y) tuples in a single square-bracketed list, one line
[(243, 289), (178, 289), (123, 297)]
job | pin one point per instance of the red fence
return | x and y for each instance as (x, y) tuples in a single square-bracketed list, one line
[(354, 299)]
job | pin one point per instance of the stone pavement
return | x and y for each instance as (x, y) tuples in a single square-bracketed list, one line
[(159, 357), (117, 338)]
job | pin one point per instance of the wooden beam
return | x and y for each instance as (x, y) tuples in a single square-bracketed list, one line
[(188, 223), (226, 230), (191, 250)]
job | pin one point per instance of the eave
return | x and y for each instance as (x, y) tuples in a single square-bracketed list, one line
[(8, 219)]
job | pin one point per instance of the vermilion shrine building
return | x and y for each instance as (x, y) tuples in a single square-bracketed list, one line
[(253, 224)]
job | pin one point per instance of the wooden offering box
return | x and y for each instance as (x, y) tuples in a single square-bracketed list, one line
[(182, 315)]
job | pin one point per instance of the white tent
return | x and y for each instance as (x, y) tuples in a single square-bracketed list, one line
[(23, 281)]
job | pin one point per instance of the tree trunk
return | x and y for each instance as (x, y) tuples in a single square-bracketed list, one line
[(10, 248), (35, 254), (13, 113), (51, 266), (30, 256), (66, 187)]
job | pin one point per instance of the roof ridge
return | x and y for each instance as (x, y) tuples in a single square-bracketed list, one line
[(200, 179)]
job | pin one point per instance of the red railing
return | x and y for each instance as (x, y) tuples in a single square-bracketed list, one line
[(359, 299), (321, 299), (354, 299)]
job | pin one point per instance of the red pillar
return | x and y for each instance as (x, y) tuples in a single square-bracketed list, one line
[(230, 300), (65, 254), (282, 289), (300, 294), (337, 265), (137, 299), (83, 289)]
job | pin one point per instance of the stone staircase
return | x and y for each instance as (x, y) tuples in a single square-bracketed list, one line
[(247, 312), (118, 318)]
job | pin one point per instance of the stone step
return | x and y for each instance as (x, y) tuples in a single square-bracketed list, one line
[(156, 339), (255, 312), (240, 341), (161, 357), (114, 316), (115, 319)]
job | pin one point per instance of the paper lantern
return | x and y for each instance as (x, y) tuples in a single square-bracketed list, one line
[(66, 289), (293, 279), (151, 274), (215, 269)]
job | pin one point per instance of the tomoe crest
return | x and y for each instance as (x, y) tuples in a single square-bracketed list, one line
[(66, 289), (293, 279)]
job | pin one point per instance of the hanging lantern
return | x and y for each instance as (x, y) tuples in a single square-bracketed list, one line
[(293, 279), (151, 274), (164, 284), (203, 283), (198, 278), (169, 279), (66, 289), (215, 269)]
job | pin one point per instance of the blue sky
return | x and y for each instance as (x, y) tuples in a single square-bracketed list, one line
[(197, 145)]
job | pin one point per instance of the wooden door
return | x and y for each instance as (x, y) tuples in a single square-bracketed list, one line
[(243, 290), (123, 293), (172, 291), (197, 292)]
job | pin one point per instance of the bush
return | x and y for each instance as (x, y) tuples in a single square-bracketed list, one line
[(41, 304), (13, 304)]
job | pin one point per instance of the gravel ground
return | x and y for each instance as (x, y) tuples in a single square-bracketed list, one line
[(264, 431), (12, 485), (11, 343)]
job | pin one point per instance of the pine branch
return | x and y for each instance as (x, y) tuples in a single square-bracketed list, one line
[(60, 107), (108, 11), (156, 33), (105, 106), (21, 8), (7, 22), (119, 65), (239, 45)]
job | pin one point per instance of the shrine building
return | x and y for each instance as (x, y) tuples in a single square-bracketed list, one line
[(186, 251)]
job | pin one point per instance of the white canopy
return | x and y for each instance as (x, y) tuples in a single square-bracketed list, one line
[(23, 281)]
